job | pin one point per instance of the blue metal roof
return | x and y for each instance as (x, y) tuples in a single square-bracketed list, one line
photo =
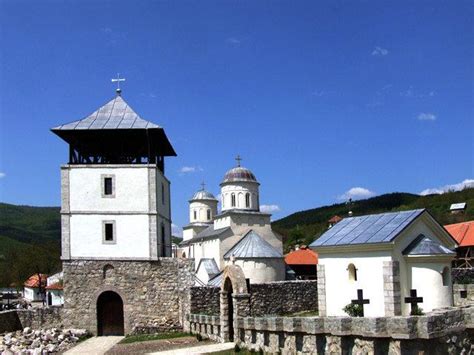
[(252, 246), (376, 228), (210, 266), (216, 281), (422, 245)]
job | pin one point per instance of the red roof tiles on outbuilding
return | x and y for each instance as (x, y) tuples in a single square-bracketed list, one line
[(462, 232), (303, 256), (33, 281)]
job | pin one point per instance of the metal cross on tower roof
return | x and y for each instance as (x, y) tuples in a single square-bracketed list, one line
[(118, 80), (203, 186), (238, 159)]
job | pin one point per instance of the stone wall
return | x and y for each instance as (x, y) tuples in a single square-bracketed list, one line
[(36, 318), (205, 300), (155, 294), (283, 297), (463, 294), (271, 298), (445, 331)]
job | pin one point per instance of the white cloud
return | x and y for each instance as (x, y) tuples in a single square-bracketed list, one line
[(356, 193), (234, 41), (468, 183), (269, 208), (414, 94), (189, 169), (379, 51), (2, 175), (426, 116), (318, 93), (176, 230)]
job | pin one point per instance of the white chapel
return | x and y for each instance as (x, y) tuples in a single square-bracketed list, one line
[(239, 234)]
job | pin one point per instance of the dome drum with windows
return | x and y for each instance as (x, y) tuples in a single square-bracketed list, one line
[(202, 207), (240, 190)]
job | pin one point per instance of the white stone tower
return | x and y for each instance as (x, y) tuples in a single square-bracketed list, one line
[(239, 190), (115, 197), (202, 210)]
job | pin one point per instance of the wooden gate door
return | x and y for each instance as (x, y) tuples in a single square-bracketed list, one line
[(110, 314)]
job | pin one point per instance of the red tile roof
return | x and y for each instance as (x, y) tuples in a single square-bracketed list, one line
[(55, 286), (462, 232), (335, 219), (302, 257), (33, 281)]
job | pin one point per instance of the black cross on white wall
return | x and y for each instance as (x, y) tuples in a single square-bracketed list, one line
[(360, 300), (413, 300)]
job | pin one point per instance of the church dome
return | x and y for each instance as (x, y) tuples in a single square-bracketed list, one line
[(203, 195), (239, 174)]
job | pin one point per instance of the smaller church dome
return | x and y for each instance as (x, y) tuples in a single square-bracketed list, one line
[(239, 174), (203, 195)]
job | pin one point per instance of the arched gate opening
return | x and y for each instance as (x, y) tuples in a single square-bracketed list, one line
[(110, 319)]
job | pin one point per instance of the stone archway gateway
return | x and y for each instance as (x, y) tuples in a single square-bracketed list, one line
[(110, 320), (234, 301)]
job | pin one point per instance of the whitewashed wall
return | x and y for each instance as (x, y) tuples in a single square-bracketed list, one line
[(131, 189), (340, 290), (131, 231), (262, 270)]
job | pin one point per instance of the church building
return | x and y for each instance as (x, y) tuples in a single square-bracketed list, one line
[(390, 264), (239, 234)]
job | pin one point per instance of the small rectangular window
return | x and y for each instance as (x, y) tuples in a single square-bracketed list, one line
[(108, 232), (108, 186)]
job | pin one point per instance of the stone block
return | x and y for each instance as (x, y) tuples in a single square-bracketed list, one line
[(292, 324), (275, 324), (402, 327), (338, 325), (369, 327), (313, 325)]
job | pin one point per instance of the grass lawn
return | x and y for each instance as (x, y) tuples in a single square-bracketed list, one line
[(147, 337), (303, 314)]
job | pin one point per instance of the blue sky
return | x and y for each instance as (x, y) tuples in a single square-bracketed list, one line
[(317, 97)]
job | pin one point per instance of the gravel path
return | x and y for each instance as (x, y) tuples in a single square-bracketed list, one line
[(201, 349), (94, 346), (146, 347)]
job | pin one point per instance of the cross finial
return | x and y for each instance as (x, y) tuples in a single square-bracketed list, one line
[(203, 186), (118, 80), (238, 159)]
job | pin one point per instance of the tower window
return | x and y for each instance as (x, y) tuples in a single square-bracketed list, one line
[(208, 215), (163, 246), (232, 200), (162, 193), (247, 200), (195, 215), (108, 188), (108, 232)]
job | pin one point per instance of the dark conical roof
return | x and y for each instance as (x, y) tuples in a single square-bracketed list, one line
[(239, 173)]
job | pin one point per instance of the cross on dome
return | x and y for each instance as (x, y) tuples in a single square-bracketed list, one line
[(238, 159), (203, 186), (118, 80)]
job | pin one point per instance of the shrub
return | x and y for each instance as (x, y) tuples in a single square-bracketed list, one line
[(416, 311), (354, 310)]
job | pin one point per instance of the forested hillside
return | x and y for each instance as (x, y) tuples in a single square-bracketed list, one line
[(29, 242), (30, 236), (305, 226)]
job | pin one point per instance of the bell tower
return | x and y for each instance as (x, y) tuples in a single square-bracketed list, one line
[(115, 197)]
